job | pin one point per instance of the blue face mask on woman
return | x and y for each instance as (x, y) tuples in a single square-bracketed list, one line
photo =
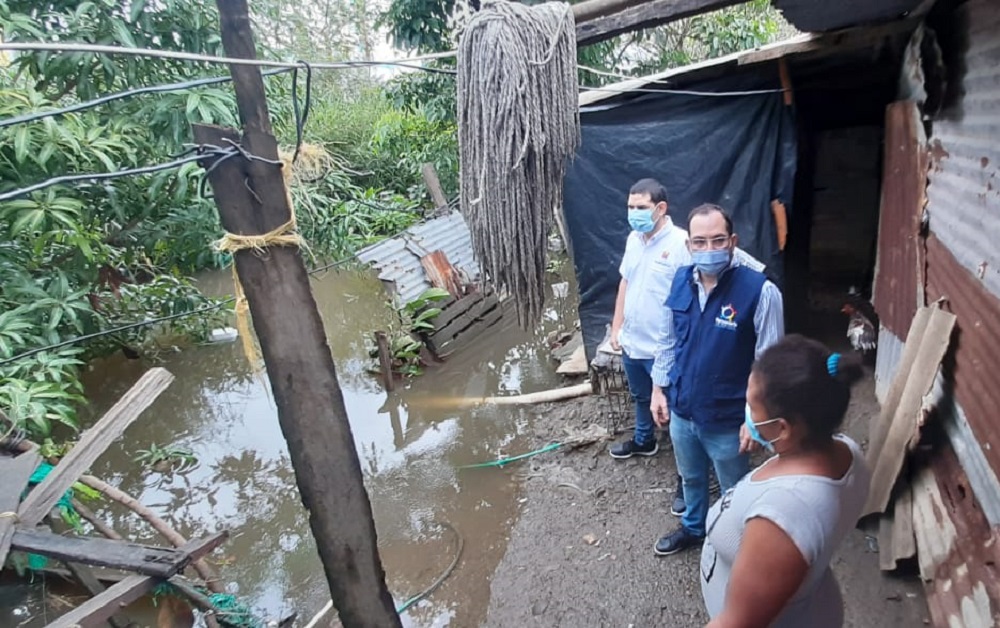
[(641, 220), (755, 433), (711, 262)]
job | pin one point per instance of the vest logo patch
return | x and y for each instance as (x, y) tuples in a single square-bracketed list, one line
[(727, 317)]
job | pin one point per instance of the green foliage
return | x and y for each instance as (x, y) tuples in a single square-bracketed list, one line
[(403, 141), (429, 94), (171, 458), (415, 319), (420, 25), (739, 28)]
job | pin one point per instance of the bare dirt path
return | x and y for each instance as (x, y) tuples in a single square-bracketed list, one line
[(581, 553)]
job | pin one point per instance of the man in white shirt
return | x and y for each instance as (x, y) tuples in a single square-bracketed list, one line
[(655, 249)]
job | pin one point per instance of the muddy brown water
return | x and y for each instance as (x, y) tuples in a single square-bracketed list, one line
[(411, 444)]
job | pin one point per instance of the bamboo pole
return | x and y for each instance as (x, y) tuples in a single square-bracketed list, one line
[(204, 570)]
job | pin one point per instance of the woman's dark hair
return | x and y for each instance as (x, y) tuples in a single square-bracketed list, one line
[(798, 387)]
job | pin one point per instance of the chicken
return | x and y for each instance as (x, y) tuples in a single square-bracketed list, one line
[(862, 328)]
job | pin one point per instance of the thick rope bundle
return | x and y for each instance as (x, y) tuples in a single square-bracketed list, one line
[(518, 124)]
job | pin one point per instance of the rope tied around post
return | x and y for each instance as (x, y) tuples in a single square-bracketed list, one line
[(285, 234)]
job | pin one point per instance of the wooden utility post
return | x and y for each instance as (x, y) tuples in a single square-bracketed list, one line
[(251, 199)]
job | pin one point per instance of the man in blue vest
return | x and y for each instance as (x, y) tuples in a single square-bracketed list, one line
[(722, 315)]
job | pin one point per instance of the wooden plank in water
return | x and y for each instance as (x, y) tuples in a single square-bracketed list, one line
[(15, 471), (85, 576), (452, 309), (479, 310), (98, 609), (142, 559), (476, 328), (92, 444)]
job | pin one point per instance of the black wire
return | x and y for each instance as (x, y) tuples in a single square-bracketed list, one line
[(301, 114), (108, 332), (155, 89), (102, 176)]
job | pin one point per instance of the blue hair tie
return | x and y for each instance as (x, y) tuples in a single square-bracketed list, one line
[(832, 363)]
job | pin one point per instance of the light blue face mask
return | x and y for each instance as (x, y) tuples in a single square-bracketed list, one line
[(641, 220), (755, 433), (712, 262)]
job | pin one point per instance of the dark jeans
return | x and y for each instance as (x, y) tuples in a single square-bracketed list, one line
[(640, 384)]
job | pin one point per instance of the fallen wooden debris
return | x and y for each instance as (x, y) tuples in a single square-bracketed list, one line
[(86, 577), (441, 274), (15, 471), (462, 320), (142, 559), (203, 569), (98, 609), (898, 426), (94, 442)]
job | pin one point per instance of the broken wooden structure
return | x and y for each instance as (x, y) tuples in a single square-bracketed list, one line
[(437, 253), (463, 319), (21, 516)]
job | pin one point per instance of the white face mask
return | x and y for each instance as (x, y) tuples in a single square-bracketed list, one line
[(755, 433)]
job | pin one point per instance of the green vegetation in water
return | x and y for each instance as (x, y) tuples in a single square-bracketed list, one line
[(416, 321), (169, 459)]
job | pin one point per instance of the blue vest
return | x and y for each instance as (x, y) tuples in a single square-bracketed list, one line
[(714, 349)]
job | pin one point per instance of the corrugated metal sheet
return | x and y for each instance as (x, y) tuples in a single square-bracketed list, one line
[(890, 352), (959, 552), (971, 368), (896, 293), (964, 190), (398, 259)]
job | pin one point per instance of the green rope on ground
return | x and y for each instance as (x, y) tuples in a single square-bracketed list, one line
[(507, 459), (229, 611)]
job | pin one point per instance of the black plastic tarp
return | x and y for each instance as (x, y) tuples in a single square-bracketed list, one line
[(735, 151)]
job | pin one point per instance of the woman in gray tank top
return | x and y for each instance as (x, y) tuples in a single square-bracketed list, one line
[(766, 558)]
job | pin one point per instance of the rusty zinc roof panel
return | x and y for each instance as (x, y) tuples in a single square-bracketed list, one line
[(896, 292), (397, 259), (958, 548), (974, 362)]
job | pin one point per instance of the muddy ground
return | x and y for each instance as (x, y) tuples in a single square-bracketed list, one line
[(552, 576)]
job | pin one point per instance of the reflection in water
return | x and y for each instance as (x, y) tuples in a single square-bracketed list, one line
[(410, 443)]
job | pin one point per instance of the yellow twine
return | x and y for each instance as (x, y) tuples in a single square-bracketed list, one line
[(283, 235), (9, 515)]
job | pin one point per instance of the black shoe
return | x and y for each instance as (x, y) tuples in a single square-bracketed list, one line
[(677, 505), (679, 539), (630, 448)]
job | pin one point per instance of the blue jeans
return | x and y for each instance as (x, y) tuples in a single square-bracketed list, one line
[(695, 448), (640, 385)]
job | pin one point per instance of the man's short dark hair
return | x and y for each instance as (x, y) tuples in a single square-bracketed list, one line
[(657, 193), (707, 209)]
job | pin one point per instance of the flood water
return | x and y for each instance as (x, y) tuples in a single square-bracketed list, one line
[(410, 442)]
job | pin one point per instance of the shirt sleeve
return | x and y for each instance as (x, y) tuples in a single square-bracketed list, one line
[(626, 264), (663, 359), (795, 518), (769, 318)]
